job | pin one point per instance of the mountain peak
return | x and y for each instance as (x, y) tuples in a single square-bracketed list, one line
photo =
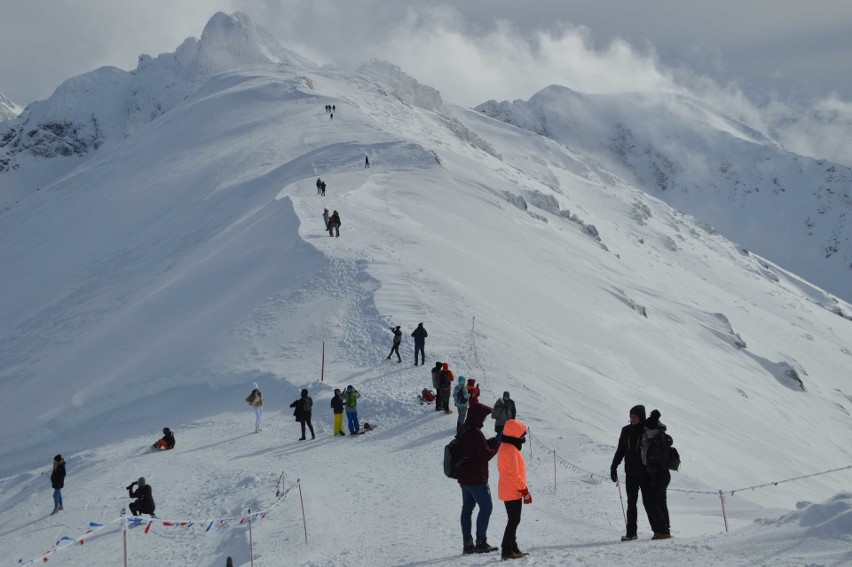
[(8, 109)]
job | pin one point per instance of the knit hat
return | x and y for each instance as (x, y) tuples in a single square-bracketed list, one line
[(141, 481), (57, 458), (654, 419), (639, 411), (471, 381), (255, 386), (304, 392)]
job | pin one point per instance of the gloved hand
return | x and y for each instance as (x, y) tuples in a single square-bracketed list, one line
[(493, 442), (527, 496), (613, 474)]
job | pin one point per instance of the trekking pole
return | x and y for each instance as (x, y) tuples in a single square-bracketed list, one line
[(305, 523), (251, 543), (724, 515), (623, 513), (322, 369)]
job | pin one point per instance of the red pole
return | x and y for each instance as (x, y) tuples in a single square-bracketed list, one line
[(724, 515), (124, 526), (303, 512), (322, 372), (251, 543)]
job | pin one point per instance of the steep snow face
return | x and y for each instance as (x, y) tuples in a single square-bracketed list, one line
[(403, 86), (792, 209), (8, 109), (110, 103)]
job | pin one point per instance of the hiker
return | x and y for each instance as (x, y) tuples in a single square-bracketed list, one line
[(255, 400), (334, 108), (331, 116), (420, 335), (437, 384), (397, 339), (57, 481), (304, 406), (474, 480), (473, 391), (350, 399), (144, 503), (319, 185), (337, 408), (636, 476), (334, 224), (461, 398), (325, 218), (655, 448), (322, 188), (512, 486), (427, 396), (166, 442), (504, 410), (445, 382), (366, 162)]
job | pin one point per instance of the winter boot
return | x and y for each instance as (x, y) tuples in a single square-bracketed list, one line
[(662, 536), (61, 507), (301, 438), (55, 510), (512, 555), (628, 538), (469, 548), (483, 547)]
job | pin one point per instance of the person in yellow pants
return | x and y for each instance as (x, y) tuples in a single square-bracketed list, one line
[(337, 407)]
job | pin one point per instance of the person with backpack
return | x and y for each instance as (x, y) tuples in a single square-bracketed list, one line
[(322, 188), (420, 335), (144, 503), (334, 224), (57, 482), (476, 452), (337, 408), (255, 400), (350, 401), (166, 442), (636, 476), (461, 398), (655, 449), (319, 186), (304, 406), (512, 486), (397, 340), (436, 384), (504, 410), (325, 218), (445, 383)]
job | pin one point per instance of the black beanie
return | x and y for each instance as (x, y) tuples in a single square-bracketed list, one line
[(638, 411)]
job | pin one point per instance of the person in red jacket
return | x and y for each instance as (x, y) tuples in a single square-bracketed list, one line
[(445, 384), (512, 486), (474, 480), (473, 389)]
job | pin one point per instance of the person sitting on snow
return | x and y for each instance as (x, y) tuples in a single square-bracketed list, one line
[(166, 442)]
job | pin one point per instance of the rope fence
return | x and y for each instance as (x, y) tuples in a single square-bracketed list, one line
[(206, 525), (594, 477)]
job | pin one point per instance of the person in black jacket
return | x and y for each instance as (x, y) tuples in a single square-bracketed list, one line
[(477, 451), (304, 406), (337, 407), (420, 335), (637, 478), (436, 384), (656, 445), (144, 503), (57, 481), (397, 339)]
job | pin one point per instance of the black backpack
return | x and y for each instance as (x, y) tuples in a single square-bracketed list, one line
[(674, 459), (658, 453), (454, 462), (444, 379)]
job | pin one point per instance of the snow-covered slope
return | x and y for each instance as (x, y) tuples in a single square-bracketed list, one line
[(168, 270), (8, 109), (790, 208)]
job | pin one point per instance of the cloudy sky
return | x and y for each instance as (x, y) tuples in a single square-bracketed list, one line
[(471, 50)]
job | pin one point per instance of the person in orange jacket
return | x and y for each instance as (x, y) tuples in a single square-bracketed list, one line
[(445, 383), (512, 486)]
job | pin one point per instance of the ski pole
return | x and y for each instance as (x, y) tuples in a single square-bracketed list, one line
[(623, 513)]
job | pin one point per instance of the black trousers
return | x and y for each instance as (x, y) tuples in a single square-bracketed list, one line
[(513, 511), (311, 427), (395, 349), (634, 484), (135, 509), (422, 350), (658, 512), (444, 394)]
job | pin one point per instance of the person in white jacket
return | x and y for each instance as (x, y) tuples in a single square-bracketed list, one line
[(255, 399)]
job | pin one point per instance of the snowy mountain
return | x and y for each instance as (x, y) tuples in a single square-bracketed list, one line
[(789, 208), (184, 257), (8, 109)]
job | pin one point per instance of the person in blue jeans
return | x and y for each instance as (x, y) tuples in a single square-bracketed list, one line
[(57, 481), (474, 480), (350, 401)]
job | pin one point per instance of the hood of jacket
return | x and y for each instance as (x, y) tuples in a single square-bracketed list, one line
[(514, 428), (476, 415)]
